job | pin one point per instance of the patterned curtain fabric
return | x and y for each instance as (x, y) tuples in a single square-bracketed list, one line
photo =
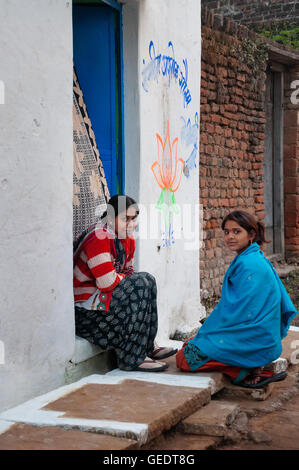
[(90, 190)]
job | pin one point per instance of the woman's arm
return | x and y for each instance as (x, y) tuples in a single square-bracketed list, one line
[(99, 261)]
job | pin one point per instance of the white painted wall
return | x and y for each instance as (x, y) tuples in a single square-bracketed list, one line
[(37, 333), (36, 159), (149, 104)]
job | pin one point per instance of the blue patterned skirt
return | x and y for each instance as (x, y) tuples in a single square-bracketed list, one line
[(129, 326)]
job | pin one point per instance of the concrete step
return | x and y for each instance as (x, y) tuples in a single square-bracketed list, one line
[(88, 359), (84, 350), (129, 408), (19, 436), (100, 363), (215, 381), (213, 419), (122, 407), (281, 393), (289, 357), (259, 394)]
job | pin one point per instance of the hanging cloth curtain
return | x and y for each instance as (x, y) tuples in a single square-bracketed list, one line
[(90, 190)]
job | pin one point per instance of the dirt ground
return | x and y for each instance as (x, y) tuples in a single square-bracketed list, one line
[(272, 424), (277, 430)]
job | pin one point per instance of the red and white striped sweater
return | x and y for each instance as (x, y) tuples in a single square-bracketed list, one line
[(95, 267)]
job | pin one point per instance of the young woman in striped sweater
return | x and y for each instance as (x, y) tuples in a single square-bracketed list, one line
[(115, 307)]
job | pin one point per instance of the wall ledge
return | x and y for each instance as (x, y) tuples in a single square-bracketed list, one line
[(84, 350)]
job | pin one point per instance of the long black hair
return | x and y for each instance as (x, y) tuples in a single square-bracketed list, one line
[(118, 204), (249, 223)]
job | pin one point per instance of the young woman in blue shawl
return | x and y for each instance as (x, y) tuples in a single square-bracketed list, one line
[(244, 332)]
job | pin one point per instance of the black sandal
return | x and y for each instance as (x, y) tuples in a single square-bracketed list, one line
[(162, 353), (149, 365), (266, 378)]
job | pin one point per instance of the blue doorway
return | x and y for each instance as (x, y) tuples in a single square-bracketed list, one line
[(97, 56)]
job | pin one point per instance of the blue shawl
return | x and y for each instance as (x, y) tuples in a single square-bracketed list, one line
[(253, 315)]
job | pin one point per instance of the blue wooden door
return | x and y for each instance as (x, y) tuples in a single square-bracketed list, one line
[(96, 59)]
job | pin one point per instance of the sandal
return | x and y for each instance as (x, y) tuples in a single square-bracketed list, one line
[(162, 353), (149, 365), (265, 377)]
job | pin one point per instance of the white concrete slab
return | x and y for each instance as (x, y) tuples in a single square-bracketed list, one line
[(30, 412), (5, 425), (176, 380), (137, 431), (114, 377), (39, 402)]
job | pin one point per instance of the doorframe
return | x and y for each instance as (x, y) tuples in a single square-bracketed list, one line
[(113, 4), (278, 70), (118, 9), (278, 175)]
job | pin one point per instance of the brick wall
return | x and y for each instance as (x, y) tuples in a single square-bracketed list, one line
[(256, 12), (291, 167), (232, 137)]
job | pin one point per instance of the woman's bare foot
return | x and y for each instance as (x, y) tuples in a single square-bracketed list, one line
[(253, 378), (259, 378)]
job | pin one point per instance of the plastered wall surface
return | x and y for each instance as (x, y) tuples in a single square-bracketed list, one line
[(36, 158), (163, 131)]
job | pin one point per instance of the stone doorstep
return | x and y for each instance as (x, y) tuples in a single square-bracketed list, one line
[(155, 407), (208, 426), (222, 419), (282, 391), (259, 394), (164, 399), (175, 377), (211, 420), (161, 400), (158, 407), (19, 436)]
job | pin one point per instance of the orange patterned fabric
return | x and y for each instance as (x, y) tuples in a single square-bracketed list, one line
[(210, 366)]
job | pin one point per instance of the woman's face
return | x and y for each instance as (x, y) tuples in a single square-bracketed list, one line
[(126, 222), (236, 237)]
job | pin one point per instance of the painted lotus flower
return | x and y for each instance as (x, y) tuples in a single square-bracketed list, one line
[(168, 168), (168, 171)]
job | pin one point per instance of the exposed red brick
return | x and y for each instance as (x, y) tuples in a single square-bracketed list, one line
[(232, 136)]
